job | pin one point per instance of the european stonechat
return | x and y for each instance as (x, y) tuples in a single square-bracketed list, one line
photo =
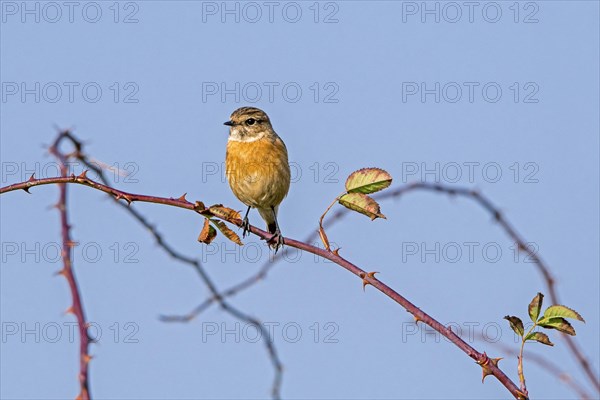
[(256, 166)]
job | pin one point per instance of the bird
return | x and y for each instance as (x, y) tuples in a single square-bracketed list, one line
[(257, 168)]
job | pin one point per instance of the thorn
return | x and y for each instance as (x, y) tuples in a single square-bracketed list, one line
[(27, 190), (484, 362), (123, 196), (31, 178), (337, 251), (62, 272), (182, 197), (59, 206), (83, 175), (71, 243), (70, 310), (417, 319), (87, 358), (72, 176), (371, 275)]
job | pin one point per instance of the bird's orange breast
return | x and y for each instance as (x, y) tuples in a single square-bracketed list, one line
[(258, 172)]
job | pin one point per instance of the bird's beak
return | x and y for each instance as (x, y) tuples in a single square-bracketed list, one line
[(228, 123)]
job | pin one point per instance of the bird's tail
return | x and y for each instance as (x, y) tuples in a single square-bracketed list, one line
[(269, 217)]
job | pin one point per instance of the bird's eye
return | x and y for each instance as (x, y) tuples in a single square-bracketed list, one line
[(250, 121)]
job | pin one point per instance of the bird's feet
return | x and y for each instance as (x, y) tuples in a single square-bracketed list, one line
[(245, 226), (276, 241)]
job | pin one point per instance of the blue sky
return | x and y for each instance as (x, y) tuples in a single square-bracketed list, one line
[(498, 96)]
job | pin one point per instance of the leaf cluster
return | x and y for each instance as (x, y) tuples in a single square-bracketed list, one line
[(554, 317)]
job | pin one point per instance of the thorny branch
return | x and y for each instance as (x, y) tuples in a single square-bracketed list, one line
[(522, 245), (194, 263), (215, 296), (69, 274), (488, 365), (481, 200), (546, 364), (220, 296)]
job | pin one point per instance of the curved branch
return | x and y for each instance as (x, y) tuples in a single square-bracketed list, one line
[(545, 363), (542, 267), (485, 203), (482, 359)]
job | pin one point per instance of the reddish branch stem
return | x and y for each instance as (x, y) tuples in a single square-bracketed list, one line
[(482, 201), (521, 243), (480, 358), (176, 255), (69, 274), (553, 369)]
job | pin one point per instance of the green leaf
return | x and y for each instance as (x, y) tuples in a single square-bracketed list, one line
[(208, 233), (368, 180), (535, 306), (516, 324), (361, 203), (540, 337), (231, 235), (558, 323), (562, 311)]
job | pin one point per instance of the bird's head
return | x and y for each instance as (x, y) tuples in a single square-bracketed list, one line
[(248, 124)]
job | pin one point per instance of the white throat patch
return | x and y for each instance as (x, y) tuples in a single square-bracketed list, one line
[(236, 137)]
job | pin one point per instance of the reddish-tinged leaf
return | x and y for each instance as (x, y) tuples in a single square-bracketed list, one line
[(231, 235), (208, 233), (540, 337), (535, 306), (368, 180), (361, 203), (516, 324), (558, 323), (222, 212)]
